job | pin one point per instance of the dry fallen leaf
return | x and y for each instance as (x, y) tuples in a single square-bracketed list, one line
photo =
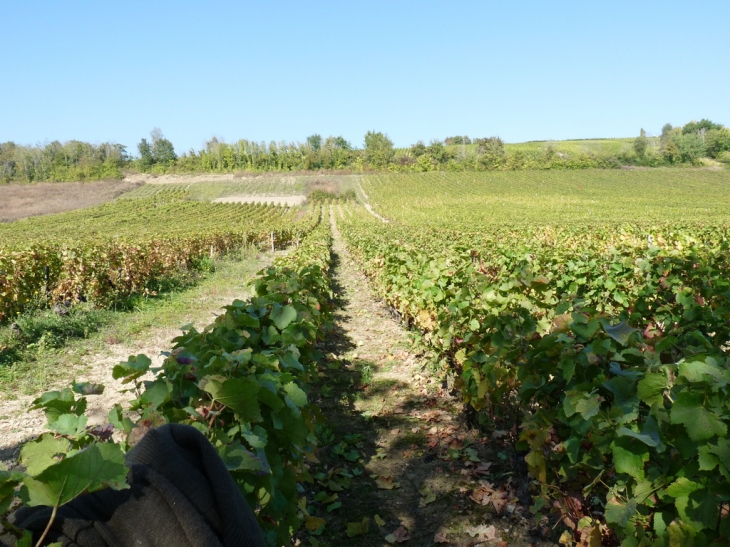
[(386, 483), (313, 523), (399, 536), (428, 496), (482, 532), (441, 537), (358, 528), (483, 468)]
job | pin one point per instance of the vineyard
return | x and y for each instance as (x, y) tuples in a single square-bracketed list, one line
[(582, 320), (590, 316), (107, 253)]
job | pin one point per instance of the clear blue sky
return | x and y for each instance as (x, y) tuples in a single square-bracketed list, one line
[(520, 69)]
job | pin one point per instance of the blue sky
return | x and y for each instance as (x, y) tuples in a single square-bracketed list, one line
[(520, 69)]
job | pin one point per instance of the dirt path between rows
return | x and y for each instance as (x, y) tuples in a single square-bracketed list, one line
[(399, 463)]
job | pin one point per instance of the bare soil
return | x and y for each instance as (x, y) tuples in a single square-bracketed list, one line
[(402, 464), (43, 198)]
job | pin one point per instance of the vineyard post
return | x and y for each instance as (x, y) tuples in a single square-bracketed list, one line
[(272, 242), (211, 251), (48, 281)]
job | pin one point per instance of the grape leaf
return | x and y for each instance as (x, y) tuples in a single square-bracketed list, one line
[(132, 368), (620, 332), (41, 453), (238, 394), (700, 423), (629, 457), (91, 469), (283, 316), (296, 394), (237, 458), (652, 387)]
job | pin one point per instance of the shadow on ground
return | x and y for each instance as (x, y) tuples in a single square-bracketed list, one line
[(398, 460)]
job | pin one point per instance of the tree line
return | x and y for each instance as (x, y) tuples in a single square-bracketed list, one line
[(76, 160), (685, 145)]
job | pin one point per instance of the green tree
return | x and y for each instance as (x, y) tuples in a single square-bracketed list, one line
[(145, 155), (337, 143), (438, 152), (418, 149), (315, 142), (701, 126), (666, 134), (493, 146), (717, 141), (378, 149), (162, 149), (459, 139), (680, 148), (641, 143)]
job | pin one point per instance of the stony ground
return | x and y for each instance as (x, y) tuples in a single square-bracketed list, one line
[(401, 463)]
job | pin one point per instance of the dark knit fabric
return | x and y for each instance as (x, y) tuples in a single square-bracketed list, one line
[(181, 495)]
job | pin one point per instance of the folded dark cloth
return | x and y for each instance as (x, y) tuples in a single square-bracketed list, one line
[(180, 494)]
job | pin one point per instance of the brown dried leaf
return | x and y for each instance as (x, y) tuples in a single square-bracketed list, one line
[(482, 532), (386, 483), (441, 537)]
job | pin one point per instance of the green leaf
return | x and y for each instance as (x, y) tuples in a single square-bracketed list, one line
[(289, 360), (648, 440), (26, 540), (620, 513), (585, 331), (583, 403), (680, 535), (238, 394), (69, 424), (696, 504), (722, 451), (119, 421), (700, 423), (707, 460), (652, 388), (283, 316), (43, 452), (57, 403), (270, 399), (698, 371), (620, 332), (155, 393), (629, 457), (93, 468), (237, 458), (296, 394), (132, 368)]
